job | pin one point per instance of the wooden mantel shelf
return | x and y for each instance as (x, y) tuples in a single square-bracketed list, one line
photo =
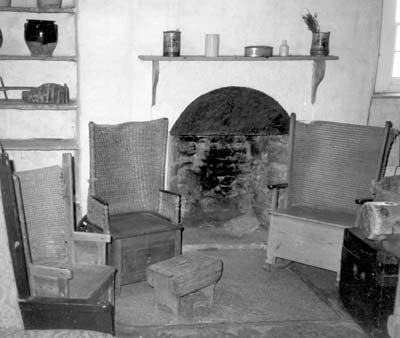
[(317, 76)]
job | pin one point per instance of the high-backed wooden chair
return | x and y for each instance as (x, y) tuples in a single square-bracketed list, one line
[(126, 196), (61, 275), (330, 166)]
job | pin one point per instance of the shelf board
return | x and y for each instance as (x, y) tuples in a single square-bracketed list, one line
[(317, 75), (235, 58), (22, 105), (37, 144), (38, 58), (37, 10)]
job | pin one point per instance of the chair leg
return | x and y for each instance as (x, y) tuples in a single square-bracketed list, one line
[(273, 263), (115, 259), (209, 293), (111, 293), (270, 260)]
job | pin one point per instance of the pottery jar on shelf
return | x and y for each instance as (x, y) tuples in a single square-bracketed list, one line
[(41, 37)]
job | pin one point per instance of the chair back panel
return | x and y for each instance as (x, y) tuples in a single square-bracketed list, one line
[(44, 207), (334, 164), (127, 164)]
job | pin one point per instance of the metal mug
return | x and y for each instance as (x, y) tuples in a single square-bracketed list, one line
[(172, 43)]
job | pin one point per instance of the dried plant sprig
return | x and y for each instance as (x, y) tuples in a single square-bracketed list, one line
[(311, 21)]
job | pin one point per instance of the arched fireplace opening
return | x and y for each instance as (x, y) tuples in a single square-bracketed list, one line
[(227, 146)]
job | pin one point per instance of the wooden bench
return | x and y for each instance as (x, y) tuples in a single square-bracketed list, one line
[(182, 275)]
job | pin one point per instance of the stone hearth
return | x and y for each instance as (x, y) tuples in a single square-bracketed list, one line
[(227, 146)]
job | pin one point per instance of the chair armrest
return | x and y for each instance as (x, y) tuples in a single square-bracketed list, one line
[(90, 247), (49, 271), (363, 200), (170, 205), (277, 186), (97, 213), (275, 193), (47, 281), (91, 237)]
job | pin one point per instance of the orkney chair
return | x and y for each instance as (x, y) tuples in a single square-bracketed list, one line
[(330, 165), (62, 279), (126, 197)]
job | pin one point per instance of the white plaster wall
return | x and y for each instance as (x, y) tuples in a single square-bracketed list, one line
[(116, 85)]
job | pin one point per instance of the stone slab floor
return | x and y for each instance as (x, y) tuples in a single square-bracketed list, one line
[(249, 302)]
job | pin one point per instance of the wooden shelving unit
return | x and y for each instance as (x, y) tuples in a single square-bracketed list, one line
[(36, 144), (319, 65), (40, 144), (37, 58), (22, 105), (36, 10)]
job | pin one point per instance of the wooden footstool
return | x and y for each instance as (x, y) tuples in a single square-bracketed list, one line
[(181, 275)]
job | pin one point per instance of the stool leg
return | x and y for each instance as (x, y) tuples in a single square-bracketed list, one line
[(209, 292), (164, 296)]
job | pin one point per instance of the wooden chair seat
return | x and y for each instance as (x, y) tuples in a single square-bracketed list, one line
[(139, 223), (336, 218), (91, 282)]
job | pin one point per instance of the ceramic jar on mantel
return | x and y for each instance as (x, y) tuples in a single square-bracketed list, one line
[(320, 44), (46, 4), (41, 37)]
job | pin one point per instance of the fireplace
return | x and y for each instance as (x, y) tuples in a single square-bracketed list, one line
[(227, 146)]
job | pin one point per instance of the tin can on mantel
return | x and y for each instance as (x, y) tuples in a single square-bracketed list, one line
[(172, 43)]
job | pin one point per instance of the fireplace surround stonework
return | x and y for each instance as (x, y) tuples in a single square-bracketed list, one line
[(226, 147)]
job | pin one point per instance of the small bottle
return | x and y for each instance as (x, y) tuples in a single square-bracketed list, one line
[(284, 48)]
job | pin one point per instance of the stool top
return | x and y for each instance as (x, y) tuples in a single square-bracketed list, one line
[(187, 263)]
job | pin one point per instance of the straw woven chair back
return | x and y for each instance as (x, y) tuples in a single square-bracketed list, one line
[(127, 164), (334, 163), (45, 214)]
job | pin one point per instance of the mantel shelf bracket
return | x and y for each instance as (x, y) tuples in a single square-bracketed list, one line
[(319, 66), (317, 76), (155, 72)]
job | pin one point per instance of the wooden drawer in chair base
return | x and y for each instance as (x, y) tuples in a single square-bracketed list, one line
[(305, 241), (139, 252), (55, 313)]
